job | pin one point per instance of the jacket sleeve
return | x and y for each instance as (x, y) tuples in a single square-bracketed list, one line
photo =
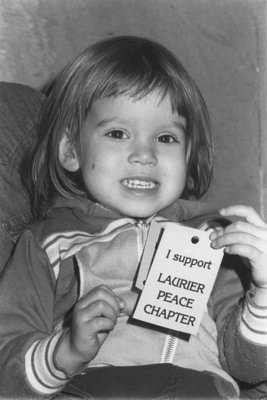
[(242, 349), (27, 340)]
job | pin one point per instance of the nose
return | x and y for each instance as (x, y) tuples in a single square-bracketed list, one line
[(143, 153)]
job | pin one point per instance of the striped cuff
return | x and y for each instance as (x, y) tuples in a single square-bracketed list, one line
[(41, 371), (253, 324)]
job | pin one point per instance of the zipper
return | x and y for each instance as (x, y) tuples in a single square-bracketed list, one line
[(143, 227), (169, 349), (171, 341)]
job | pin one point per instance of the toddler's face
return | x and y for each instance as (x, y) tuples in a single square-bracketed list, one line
[(133, 157)]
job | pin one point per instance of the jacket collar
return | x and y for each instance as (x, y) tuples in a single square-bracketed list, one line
[(180, 211)]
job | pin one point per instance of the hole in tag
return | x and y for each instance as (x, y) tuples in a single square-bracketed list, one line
[(195, 239)]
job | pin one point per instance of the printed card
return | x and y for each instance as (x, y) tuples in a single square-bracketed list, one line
[(153, 239), (181, 268)]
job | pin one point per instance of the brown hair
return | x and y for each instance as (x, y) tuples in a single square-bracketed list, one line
[(121, 65)]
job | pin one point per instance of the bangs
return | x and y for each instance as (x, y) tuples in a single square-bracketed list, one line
[(140, 85), (137, 72)]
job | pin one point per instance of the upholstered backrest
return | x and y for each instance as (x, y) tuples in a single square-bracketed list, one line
[(19, 110)]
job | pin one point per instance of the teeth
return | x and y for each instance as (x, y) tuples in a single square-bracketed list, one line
[(137, 184)]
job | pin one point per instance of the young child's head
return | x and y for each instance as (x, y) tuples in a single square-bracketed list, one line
[(126, 126)]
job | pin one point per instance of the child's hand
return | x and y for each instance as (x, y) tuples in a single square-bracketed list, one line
[(246, 238), (94, 316)]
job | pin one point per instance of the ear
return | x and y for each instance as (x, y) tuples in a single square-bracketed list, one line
[(67, 155)]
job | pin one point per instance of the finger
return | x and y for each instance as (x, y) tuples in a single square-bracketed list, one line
[(241, 227), (119, 299), (100, 293), (94, 330), (246, 212), (99, 327), (235, 238), (255, 256), (242, 250), (100, 324), (97, 309)]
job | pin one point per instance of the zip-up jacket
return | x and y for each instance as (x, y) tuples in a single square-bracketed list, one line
[(81, 245)]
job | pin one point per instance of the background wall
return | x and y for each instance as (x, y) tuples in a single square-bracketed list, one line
[(220, 42)]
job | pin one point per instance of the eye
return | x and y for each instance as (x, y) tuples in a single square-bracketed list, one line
[(117, 134), (166, 138)]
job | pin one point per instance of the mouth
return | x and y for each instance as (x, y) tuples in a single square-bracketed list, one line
[(140, 184)]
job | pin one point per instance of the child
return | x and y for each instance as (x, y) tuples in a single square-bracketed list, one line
[(124, 139)]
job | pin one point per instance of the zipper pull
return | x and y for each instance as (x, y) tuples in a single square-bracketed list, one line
[(143, 227)]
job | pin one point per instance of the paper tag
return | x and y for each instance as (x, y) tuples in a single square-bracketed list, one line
[(180, 278), (152, 242)]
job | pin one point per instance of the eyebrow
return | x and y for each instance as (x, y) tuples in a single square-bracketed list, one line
[(110, 120), (180, 125), (176, 124)]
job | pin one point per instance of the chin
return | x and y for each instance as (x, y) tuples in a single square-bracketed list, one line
[(140, 215)]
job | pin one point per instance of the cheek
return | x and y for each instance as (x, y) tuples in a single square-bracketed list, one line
[(176, 165), (178, 174)]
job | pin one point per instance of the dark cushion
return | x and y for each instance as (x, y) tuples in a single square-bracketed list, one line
[(19, 111)]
